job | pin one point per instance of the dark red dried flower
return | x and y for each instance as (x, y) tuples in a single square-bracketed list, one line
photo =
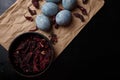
[(79, 16), (53, 38), (32, 12), (84, 11), (56, 26), (35, 3), (85, 1), (28, 18), (53, 22)]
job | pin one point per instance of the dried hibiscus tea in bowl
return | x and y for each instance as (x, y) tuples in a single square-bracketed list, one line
[(31, 54)]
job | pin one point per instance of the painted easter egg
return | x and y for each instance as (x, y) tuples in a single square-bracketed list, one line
[(50, 9), (63, 18), (43, 22)]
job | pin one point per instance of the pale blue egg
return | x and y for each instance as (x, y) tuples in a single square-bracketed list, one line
[(55, 1), (63, 17), (69, 4), (50, 9), (43, 22)]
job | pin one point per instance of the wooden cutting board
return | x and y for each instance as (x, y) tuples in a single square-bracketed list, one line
[(13, 23)]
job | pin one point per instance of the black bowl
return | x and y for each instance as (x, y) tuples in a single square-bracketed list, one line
[(31, 54)]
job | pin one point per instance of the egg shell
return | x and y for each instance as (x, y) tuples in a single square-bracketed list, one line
[(50, 9), (42, 22), (63, 18), (69, 4)]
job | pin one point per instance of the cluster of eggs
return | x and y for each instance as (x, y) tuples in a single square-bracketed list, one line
[(50, 8)]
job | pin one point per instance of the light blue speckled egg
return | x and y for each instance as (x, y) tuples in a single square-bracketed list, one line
[(43, 22), (63, 17), (50, 9), (69, 4), (55, 1)]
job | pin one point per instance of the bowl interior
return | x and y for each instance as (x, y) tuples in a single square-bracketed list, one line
[(31, 54)]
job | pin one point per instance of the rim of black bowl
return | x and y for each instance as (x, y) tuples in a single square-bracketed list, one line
[(34, 33)]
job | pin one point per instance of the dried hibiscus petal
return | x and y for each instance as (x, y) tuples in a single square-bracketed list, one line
[(79, 16), (27, 57), (22, 45), (60, 9), (35, 3), (84, 11), (56, 26), (53, 21), (32, 12), (28, 18), (85, 1), (43, 63), (53, 38)]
